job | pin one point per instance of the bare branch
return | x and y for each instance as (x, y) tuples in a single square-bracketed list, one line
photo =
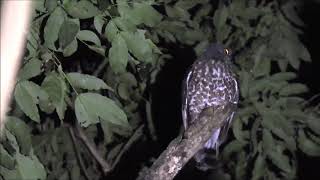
[(182, 149)]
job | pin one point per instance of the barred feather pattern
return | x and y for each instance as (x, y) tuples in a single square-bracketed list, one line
[(210, 83)]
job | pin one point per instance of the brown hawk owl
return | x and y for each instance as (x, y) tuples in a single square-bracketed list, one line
[(210, 83)]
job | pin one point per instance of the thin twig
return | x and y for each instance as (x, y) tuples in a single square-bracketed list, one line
[(150, 121), (100, 67), (136, 136), (79, 157), (94, 152)]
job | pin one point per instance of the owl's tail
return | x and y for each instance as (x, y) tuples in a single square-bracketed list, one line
[(205, 158)]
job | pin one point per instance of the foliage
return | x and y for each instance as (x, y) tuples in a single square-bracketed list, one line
[(103, 92)]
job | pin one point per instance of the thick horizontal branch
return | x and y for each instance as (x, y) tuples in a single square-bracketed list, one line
[(182, 149)]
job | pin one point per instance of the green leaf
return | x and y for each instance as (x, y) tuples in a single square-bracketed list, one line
[(232, 147), (86, 35), (138, 45), (267, 140), (314, 124), (259, 168), (92, 108), (85, 81), (31, 69), (237, 130), (307, 146), (293, 88), (56, 88), (177, 12), (98, 49), (111, 31), (118, 55), (70, 49), (280, 159), (52, 28), (83, 9), (30, 167), (98, 23), (124, 24), (283, 76), (68, 32), (262, 66), (27, 102), (220, 17), (12, 140), (123, 91), (50, 4), (9, 174), (6, 159), (21, 131), (139, 13), (244, 81)]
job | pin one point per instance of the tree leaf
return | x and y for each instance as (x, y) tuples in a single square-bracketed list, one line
[(6, 159), (232, 147), (220, 17), (85, 81), (50, 4), (92, 108), (293, 88), (86, 35), (307, 146), (280, 159), (262, 66), (21, 131), (259, 168), (30, 167), (139, 13), (98, 23), (67, 33), (237, 130), (70, 49), (83, 9), (98, 49), (9, 174), (12, 141), (138, 45), (27, 102), (124, 24), (313, 123), (118, 55), (52, 28), (31, 69), (177, 12), (283, 76), (111, 31), (56, 88)]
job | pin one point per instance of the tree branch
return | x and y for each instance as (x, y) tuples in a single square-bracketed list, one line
[(104, 164), (79, 157), (182, 149)]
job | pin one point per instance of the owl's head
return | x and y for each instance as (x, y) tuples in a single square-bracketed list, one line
[(217, 52)]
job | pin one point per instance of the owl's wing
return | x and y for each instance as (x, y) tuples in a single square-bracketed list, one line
[(185, 86)]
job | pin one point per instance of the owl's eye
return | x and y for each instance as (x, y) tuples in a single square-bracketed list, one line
[(227, 51)]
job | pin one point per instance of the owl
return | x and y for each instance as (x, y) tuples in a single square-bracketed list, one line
[(210, 82)]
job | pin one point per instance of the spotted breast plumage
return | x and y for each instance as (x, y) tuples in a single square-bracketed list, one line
[(210, 83)]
